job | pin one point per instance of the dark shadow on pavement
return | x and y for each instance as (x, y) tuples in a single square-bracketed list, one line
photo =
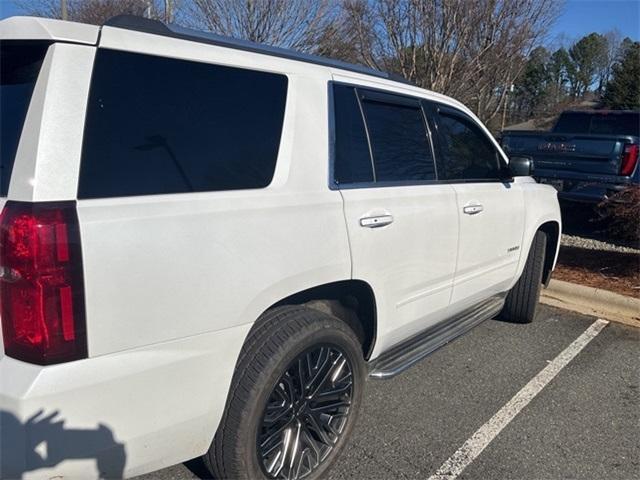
[(43, 441), (197, 467)]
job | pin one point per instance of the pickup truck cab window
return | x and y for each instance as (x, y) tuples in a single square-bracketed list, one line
[(599, 123), (465, 150)]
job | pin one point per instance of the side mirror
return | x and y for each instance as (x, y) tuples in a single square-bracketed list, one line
[(521, 166)]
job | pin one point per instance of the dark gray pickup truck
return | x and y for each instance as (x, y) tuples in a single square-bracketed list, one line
[(587, 156)]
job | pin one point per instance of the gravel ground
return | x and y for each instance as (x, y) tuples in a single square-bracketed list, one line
[(591, 244)]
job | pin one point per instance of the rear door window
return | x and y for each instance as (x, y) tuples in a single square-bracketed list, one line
[(399, 142), (20, 63), (157, 125), (379, 138)]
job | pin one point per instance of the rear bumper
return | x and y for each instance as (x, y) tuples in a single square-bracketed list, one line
[(116, 415), (581, 187), (587, 194)]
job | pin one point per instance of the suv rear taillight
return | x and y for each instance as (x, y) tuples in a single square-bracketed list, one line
[(41, 284), (629, 159)]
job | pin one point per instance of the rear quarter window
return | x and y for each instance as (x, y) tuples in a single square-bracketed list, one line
[(20, 63), (157, 125)]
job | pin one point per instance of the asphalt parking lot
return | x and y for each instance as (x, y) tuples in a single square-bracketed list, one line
[(584, 423)]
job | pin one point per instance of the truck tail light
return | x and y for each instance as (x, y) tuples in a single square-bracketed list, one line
[(629, 159), (41, 283)]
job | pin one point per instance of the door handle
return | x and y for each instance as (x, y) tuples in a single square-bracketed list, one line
[(377, 221), (472, 209)]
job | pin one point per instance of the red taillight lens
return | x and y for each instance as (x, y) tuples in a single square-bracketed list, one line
[(629, 159), (41, 284)]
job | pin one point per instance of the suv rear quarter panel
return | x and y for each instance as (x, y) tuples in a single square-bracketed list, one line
[(162, 267), (172, 282), (48, 156)]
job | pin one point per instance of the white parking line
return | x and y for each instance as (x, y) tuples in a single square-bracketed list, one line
[(487, 432)]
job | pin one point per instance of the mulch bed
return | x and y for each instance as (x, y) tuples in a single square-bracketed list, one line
[(615, 271)]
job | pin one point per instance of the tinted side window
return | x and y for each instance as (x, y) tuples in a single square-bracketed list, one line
[(352, 161), (20, 64), (467, 152), (398, 142), (157, 125)]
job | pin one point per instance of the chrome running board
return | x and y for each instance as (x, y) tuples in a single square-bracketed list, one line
[(406, 354)]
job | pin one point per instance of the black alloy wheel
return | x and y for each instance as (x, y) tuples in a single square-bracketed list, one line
[(305, 414)]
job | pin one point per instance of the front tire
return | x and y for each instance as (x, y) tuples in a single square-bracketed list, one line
[(522, 300), (293, 400)]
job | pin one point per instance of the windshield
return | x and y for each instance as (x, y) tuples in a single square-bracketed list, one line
[(20, 63)]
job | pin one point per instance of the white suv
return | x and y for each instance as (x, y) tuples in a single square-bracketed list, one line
[(207, 246)]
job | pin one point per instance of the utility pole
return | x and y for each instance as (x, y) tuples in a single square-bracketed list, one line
[(505, 106), (147, 10), (168, 11), (63, 10)]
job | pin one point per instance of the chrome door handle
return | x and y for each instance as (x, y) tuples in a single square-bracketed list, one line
[(377, 221), (473, 209)]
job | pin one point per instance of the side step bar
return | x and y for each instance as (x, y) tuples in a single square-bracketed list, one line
[(406, 354)]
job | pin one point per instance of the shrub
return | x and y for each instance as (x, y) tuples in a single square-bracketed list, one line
[(620, 214)]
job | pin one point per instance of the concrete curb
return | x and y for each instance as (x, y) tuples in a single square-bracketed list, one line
[(593, 301)]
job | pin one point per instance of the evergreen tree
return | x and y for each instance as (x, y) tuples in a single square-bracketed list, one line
[(587, 56), (623, 90), (532, 85)]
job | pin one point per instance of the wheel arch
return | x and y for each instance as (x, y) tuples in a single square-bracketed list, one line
[(352, 301), (552, 230)]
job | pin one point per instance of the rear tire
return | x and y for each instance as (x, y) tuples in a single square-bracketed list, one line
[(295, 395), (522, 300)]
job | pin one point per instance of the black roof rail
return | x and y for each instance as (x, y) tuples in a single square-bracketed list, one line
[(156, 27)]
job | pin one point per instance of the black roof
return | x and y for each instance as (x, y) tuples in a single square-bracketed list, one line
[(156, 27)]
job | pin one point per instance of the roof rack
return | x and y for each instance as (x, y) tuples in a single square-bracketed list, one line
[(156, 27)]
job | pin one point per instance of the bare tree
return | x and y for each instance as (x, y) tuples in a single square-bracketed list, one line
[(98, 11), (297, 24), (472, 50), (613, 39)]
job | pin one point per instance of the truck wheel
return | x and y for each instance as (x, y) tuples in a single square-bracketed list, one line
[(522, 300), (293, 399)]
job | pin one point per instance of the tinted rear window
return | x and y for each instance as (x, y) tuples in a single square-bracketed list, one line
[(20, 64), (157, 125), (599, 123)]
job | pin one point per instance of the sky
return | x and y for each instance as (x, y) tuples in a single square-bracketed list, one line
[(579, 18)]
